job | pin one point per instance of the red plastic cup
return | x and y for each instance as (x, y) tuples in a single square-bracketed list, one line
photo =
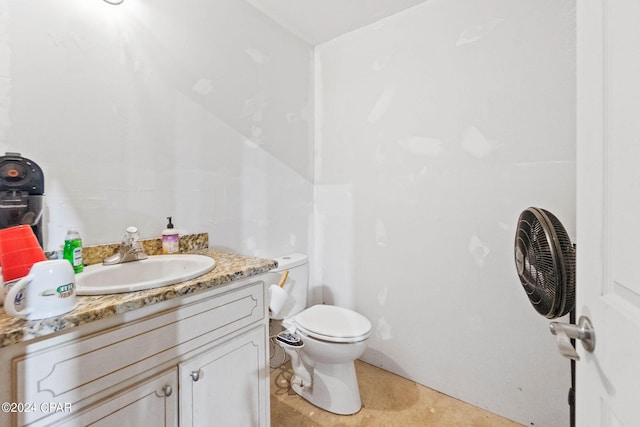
[(19, 250)]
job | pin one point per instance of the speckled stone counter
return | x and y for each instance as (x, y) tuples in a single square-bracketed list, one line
[(229, 267)]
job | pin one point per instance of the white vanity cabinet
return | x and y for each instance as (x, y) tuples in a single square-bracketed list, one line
[(198, 360), (220, 372)]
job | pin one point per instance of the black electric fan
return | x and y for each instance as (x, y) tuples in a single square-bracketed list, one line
[(546, 264)]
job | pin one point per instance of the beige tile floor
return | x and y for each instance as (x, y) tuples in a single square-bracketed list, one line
[(388, 400)]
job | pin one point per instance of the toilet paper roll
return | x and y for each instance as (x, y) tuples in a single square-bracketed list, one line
[(278, 299)]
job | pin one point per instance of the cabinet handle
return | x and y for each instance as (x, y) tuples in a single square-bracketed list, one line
[(167, 390), (195, 375)]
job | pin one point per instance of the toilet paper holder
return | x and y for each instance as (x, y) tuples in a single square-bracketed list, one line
[(582, 331)]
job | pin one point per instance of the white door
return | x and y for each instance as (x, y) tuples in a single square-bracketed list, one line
[(608, 211)]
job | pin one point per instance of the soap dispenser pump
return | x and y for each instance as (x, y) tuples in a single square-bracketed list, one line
[(170, 239)]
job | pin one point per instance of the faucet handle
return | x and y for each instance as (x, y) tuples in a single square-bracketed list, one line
[(131, 235)]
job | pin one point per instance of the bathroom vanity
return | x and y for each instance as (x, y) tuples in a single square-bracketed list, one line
[(190, 354)]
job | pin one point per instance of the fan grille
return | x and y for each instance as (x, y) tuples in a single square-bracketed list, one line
[(545, 260), (568, 255)]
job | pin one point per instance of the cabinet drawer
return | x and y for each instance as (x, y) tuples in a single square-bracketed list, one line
[(69, 373)]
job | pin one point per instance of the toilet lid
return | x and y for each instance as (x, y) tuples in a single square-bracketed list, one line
[(331, 323)]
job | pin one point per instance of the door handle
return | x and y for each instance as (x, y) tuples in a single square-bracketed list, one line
[(195, 375), (565, 332)]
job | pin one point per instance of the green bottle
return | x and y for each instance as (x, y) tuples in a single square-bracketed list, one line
[(73, 249)]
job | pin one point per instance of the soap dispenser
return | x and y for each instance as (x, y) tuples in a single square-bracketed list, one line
[(73, 250), (170, 239)]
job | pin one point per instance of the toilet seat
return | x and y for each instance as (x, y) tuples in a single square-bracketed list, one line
[(333, 324)]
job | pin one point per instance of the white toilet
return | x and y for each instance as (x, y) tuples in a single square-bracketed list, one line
[(322, 341)]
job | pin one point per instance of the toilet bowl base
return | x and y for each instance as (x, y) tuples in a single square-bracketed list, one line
[(334, 388)]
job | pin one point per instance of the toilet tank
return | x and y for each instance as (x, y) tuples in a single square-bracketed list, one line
[(296, 285)]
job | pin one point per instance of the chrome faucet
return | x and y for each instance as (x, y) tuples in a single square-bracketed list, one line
[(130, 249)]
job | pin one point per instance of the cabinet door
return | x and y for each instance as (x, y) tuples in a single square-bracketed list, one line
[(228, 384), (153, 402)]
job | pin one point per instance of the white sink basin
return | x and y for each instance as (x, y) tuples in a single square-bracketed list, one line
[(150, 273)]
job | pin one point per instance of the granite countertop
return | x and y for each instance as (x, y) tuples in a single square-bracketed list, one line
[(229, 267)]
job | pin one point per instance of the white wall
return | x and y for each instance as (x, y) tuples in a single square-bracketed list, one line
[(436, 128), (196, 109)]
